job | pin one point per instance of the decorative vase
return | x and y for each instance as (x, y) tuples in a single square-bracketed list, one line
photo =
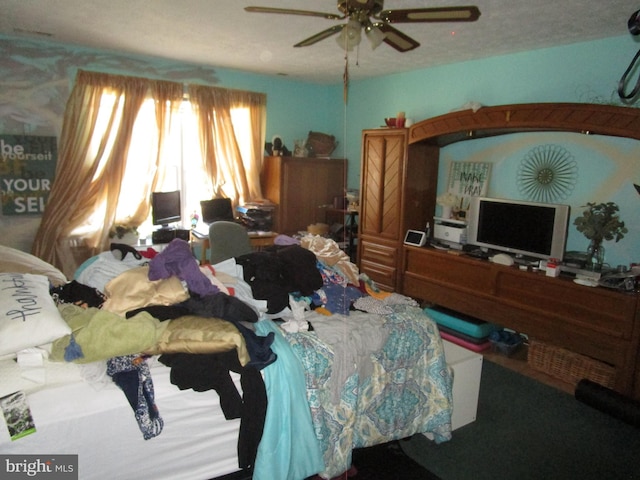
[(446, 211), (595, 254)]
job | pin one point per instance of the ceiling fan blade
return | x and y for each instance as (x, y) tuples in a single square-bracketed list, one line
[(396, 39), (468, 13), (288, 11), (320, 36)]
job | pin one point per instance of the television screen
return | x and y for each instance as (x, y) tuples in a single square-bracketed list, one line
[(529, 229), (165, 208)]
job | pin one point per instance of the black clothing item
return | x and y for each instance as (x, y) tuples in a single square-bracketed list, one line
[(78, 294), (300, 269), (274, 274), (161, 312), (211, 372), (231, 309), (221, 305)]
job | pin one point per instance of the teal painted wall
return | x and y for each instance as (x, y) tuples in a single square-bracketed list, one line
[(585, 72), (36, 76), (607, 168), (48, 69)]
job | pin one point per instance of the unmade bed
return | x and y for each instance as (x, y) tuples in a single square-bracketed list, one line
[(341, 365)]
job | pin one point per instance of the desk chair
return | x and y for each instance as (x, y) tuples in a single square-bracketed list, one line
[(227, 240)]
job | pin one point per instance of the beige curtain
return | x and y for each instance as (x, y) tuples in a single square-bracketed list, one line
[(168, 99), (91, 164), (233, 175)]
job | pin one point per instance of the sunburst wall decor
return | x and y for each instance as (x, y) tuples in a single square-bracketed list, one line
[(547, 173)]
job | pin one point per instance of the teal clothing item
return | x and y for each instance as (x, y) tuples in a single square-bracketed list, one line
[(289, 449)]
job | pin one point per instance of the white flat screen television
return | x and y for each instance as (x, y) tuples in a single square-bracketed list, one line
[(527, 229)]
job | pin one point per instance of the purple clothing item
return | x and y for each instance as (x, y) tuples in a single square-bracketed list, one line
[(177, 259), (285, 240)]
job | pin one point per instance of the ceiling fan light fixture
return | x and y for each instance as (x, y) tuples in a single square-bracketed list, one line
[(350, 37), (374, 35)]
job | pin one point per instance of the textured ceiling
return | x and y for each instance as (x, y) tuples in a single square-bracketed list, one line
[(220, 33)]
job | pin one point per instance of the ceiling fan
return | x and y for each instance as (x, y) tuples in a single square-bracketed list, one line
[(370, 16)]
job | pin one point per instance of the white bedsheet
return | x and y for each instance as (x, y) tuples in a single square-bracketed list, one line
[(99, 425), (32, 378)]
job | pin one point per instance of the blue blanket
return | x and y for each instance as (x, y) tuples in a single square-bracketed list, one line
[(289, 449)]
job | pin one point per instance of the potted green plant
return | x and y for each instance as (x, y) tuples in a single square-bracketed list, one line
[(600, 222)]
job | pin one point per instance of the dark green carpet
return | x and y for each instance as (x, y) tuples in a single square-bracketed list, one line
[(528, 430), (387, 462), (380, 462)]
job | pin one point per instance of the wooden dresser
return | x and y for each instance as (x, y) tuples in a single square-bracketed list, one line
[(302, 189), (597, 322)]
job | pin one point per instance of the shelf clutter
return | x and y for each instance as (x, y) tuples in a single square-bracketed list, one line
[(463, 330), (479, 336), (505, 342)]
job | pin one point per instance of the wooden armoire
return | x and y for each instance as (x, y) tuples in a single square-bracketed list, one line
[(302, 189), (397, 193)]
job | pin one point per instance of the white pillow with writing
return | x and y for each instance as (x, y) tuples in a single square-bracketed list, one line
[(28, 314)]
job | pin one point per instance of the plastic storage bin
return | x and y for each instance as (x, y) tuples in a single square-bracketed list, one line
[(460, 322), (505, 342)]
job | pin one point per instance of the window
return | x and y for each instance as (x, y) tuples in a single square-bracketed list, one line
[(126, 137), (180, 165)]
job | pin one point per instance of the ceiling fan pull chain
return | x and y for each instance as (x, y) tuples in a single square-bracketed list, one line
[(623, 80), (345, 78)]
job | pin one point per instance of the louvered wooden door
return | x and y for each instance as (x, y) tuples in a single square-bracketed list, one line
[(382, 174), (383, 163)]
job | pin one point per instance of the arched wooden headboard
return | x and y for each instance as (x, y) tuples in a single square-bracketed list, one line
[(532, 117)]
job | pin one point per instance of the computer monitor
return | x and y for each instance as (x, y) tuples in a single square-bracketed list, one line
[(216, 209), (165, 208)]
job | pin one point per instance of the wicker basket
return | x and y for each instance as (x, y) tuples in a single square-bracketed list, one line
[(320, 144), (568, 366)]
